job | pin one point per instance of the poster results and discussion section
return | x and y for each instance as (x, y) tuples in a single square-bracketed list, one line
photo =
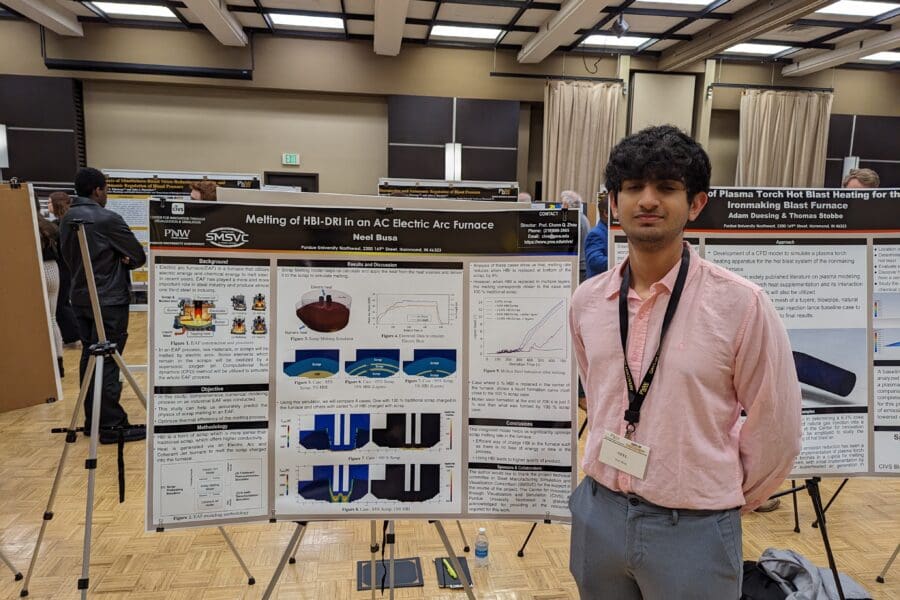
[(350, 245)]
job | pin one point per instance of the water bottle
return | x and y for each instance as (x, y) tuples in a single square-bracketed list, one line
[(481, 548)]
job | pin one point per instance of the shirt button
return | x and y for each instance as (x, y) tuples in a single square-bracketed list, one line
[(633, 501)]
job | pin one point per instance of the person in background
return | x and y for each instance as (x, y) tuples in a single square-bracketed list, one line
[(597, 242), (671, 348), (114, 252), (58, 206), (524, 198), (49, 235), (861, 178), (203, 190), (572, 200)]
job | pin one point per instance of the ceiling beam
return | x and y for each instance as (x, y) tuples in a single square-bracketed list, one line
[(49, 14), (390, 19), (843, 54), (559, 29), (221, 23), (758, 18)]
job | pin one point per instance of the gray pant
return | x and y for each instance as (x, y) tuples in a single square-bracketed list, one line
[(624, 548)]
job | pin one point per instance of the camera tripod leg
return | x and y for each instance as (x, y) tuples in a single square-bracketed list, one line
[(91, 465), (71, 437)]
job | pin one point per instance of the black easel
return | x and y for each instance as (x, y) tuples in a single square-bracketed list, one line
[(812, 487), (832, 499)]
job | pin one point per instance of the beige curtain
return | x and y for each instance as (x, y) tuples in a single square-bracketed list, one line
[(579, 131), (783, 138)]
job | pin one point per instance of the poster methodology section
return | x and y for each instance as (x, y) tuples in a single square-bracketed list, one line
[(830, 261), (314, 362)]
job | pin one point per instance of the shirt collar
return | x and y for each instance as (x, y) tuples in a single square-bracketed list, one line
[(668, 281)]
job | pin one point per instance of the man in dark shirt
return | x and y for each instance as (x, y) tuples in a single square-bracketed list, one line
[(114, 251)]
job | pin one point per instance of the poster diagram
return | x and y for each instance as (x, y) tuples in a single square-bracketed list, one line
[(413, 309), (519, 327)]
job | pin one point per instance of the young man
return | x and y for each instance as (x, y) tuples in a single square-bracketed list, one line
[(670, 349), (114, 252)]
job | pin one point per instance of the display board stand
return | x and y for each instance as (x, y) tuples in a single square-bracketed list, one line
[(101, 351), (29, 374), (812, 487)]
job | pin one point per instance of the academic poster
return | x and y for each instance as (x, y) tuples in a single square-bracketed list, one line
[(314, 362), (829, 259)]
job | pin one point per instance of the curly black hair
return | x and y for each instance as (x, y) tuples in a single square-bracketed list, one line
[(657, 153), (87, 180)]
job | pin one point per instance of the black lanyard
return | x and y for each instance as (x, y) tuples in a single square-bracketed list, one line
[(636, 396)]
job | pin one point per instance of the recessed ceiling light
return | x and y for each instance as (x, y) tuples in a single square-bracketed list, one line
[(883, 57), (855, 8), (135, 10), (611, 41), (761, 49), (684, 2), (307, 21), (478, 33)]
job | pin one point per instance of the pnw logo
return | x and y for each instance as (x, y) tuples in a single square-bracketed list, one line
[(227, 237)]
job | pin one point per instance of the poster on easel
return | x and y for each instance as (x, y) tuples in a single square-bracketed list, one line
[(128, 191), (28, 367), (326, 362), (829, 259)]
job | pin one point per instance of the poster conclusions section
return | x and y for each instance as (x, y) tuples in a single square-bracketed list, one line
[(829, 259), (328, 363)]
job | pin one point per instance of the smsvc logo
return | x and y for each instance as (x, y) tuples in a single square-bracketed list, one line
[(227, 237)]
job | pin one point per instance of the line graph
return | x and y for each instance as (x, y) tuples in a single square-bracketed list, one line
[(525, 327), (412, 309)]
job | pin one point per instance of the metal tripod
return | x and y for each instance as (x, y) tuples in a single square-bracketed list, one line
[(101, 351)]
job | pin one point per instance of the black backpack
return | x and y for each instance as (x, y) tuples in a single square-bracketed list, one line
[(758, 585)]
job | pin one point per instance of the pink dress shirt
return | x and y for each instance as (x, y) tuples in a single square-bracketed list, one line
[(725, 350)]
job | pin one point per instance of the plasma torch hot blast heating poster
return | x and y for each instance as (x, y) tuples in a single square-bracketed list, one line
[(316, 362), (829, 259)]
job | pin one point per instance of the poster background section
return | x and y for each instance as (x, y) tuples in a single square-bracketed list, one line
[(208, 413), (129, 190), (851, 275)]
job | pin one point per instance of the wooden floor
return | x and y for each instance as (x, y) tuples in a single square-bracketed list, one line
[(864, 524)]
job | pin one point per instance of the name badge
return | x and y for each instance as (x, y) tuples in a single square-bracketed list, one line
[(623, 454)]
